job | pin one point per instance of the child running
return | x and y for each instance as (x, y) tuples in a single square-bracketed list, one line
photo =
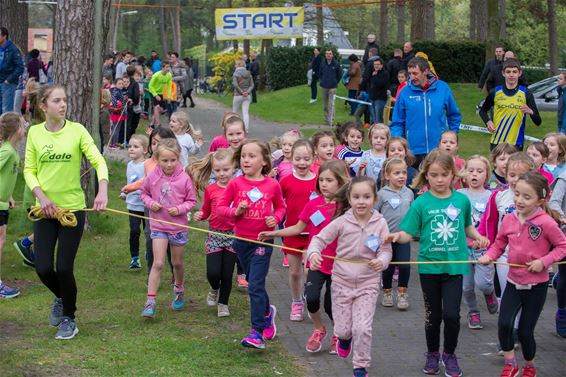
[(373, 158), (539, 152), (443, 218), (316, 215), (220, 256), (11, 135), (535, 240), (137, 149), (352, 151), (394, 200), (220, 141), (188, 138), (255, 203), (361, 232), (169, 194), (323, 142), (449, 143), (499, 157), (555, 163), (476, 171), (283, 166)]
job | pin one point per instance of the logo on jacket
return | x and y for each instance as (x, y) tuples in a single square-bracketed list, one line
[(49, 155), (416, 98), (535, 231)]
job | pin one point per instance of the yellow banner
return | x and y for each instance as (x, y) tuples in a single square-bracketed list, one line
[(259, 23)]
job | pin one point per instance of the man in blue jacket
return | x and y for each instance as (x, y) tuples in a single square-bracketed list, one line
[(329, 74), (11, 67), (424, 109)]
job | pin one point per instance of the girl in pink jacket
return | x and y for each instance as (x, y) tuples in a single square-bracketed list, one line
[(534, 240), (360, 231), (169, 194)]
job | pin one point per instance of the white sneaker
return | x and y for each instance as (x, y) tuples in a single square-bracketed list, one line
[(212, 297), (223, 310), (387, 299), (312, 101)]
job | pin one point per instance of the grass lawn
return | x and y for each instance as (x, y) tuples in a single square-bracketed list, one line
[(291, 105), (114, 340)]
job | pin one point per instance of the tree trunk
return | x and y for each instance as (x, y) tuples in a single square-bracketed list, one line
[(245, 4), (319, 24), (472, 31), (429, 20), (481, 21), (163, 32), (178, 30), (502, 20), (552, 37), (115, 14), (14, 17), (73, 61), (418, 15), (493, 27), (173, 23), (383, 25), (400, 22)]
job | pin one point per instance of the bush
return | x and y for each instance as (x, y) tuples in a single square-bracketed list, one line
[(534, 75), (287, 66), (223, 67)]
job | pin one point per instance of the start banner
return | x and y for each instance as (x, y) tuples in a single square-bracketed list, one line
[(259, 23)]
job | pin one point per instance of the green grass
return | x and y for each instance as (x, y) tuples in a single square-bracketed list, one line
[(291, 105), (114, 340)]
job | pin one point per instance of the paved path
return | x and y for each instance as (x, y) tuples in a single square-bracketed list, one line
[(398, 340)]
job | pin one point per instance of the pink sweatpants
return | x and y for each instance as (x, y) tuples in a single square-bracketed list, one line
[(353, 310)]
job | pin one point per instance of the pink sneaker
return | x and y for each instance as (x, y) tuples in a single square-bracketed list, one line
[(253, 340), (492, 304), (285, 261), (314, 344), (270, 329), (344, 347), (332, 348), (296, 312)]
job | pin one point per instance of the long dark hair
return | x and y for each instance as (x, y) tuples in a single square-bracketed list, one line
[(163, 133)]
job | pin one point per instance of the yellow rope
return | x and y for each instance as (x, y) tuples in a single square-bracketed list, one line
[(67, 218)]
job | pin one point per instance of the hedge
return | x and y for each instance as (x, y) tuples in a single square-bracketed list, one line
[(287, 66)]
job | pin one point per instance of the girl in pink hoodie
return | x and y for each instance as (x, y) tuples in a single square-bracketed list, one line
[(361, 232), (169, 194), (535, 240)]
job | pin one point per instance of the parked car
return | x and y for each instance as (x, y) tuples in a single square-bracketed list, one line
[(545, 93)]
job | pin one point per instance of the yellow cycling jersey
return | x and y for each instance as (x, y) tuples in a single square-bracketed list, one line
[(508, 118)]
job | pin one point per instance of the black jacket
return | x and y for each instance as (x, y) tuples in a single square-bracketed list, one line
[(315, 66), (329, 74), (407, 58), (394, 66), (366, 52), (133, 93), (378, 85), (490, 74)]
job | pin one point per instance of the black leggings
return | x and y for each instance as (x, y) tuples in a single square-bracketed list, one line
[(401, 253), (219, 271), (188, 94), (442, 294), (132, 124), (313, 289), (135, 224), (58, 275), (530, 302), (561, 288)]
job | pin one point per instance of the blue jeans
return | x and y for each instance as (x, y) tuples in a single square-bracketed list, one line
[(7, 95), (353, 105), (376, 111), (255, 261)]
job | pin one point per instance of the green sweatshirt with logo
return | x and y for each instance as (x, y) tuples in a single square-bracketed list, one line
[(9, 161), (53, 162)]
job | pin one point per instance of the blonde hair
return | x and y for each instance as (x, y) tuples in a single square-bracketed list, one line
[(388, 166), (228, 116), (521, 158), (296, 134), (105, 97), (485, 161), (186, 126), (439, 157), (10, 123), (45, 91), (142, 139), (200, 169), (170, 145), (379, 127), (561, 140)]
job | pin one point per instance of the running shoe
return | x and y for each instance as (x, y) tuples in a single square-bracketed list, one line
[(285, 261), (314, 343), (451, 367), (135, 263), (149, 310), (431, 365), (56, 314), (387, 299), (270, 329), (509, 370), (344, 347), (474, 321), (223, 310), (253, 340), (296, 312), (67, 329), (212, 297), (179, 300), (7, 292), (492, 304), (26, 252), (332, 348), (529, 371), (242, 282), (403, 301)]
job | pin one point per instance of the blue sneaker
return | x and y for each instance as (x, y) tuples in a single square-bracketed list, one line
[(67, 329), (270, 329), (253, 340), (561, 322), (56, 314), (7, 292), (26, 252), (149, 310), (135, 263), (179, 301), (360, 372)]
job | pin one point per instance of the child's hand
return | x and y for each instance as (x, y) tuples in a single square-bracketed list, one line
[(155, 206), (363, 165), (197, 216), (535, 266), (273, 173), (376, 265), (123, 195), (267, 235), (270, 221), (316, 262), (11, 203), (480, 243), (392, 237), (485, 259), (527, 110), (173, 211), (241, 207), (563, 220)]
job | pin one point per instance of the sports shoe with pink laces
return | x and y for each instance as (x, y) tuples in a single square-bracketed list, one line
[(344, 347), (314, 344), (333, 342), (296, 312), (270, 329)]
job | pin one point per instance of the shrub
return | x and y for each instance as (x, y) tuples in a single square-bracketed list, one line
[(287, 66), (223, 66)]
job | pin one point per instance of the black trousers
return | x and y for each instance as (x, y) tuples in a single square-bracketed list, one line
[(530, 302), (401, 253), (57, 274), (135, 224), (132, 124), (442, 294), (313, 289), (219, 271), (188, 94)]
